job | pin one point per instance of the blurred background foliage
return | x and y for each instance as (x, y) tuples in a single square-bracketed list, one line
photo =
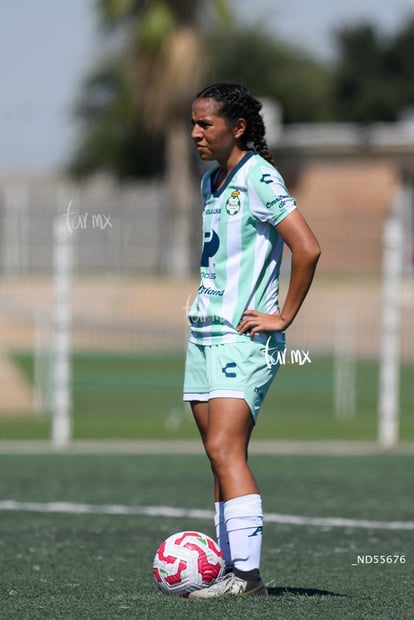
[(157, 53)]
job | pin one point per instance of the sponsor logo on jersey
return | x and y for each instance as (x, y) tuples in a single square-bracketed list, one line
[(210, 247), (279, 200), (205, 290), (201, 321), (233, 203), (212, 211)]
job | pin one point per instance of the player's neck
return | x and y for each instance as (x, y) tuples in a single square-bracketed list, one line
[(227, 166)]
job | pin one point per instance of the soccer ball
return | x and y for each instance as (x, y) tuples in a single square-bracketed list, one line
[(187, 561)]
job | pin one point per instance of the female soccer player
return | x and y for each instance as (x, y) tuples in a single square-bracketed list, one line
[(236, 322)]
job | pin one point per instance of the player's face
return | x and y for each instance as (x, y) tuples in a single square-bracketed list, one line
[(212, 134)]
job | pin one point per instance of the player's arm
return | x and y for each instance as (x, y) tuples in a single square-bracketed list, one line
[(305, 252)]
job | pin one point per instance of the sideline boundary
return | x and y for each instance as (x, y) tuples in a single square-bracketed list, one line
[(171, 512), (171, 446)]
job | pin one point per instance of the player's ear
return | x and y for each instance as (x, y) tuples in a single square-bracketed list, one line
[(239, 127)]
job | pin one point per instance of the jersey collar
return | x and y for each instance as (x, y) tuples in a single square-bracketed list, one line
[(213, 174)]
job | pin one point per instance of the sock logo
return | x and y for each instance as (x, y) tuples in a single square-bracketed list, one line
[(226, 372), (257, 532)]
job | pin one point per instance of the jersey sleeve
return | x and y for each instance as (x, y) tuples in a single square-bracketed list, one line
[(269, 199)]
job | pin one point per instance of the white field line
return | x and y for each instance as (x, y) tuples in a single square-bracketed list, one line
[(168, 511)]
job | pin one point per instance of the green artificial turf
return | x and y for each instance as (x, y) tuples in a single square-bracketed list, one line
[(98, 566), (140, 396)]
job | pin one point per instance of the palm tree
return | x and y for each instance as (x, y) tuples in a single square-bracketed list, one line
[(166, 65)]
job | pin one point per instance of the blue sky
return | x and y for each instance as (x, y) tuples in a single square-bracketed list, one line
[(47, 47), (310, 22)]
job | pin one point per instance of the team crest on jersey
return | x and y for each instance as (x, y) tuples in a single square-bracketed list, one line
[(233, 203)]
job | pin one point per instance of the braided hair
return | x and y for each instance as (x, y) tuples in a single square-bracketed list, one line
[(236, 101)]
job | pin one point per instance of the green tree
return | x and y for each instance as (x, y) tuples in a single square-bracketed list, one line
[(136, 108), (399, 63), (274, 69), (164, 61), (373, 77), (113, 136), (127, 103)]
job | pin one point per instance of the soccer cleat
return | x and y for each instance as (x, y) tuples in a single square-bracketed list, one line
[(231, 584)]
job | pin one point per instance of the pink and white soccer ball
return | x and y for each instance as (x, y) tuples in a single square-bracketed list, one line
[(187, 561)]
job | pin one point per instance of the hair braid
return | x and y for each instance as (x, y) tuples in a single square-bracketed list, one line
[(236, 101)]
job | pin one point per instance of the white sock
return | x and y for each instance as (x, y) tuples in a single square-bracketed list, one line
[(221, 533), (243, 517)]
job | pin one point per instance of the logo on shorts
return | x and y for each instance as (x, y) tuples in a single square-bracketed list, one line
[(259, 392), (228, 373)]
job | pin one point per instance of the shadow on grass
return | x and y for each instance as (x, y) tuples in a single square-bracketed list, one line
[(281, 591)]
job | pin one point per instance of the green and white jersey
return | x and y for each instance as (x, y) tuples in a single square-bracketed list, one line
[(242, 250)]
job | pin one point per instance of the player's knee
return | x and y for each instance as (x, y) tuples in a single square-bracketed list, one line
[(219, 453), (213, 450)]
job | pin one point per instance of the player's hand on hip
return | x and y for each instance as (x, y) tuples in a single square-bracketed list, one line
[(253, 322)]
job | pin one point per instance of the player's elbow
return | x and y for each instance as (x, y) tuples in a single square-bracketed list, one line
[(315, 252), (311, 251)]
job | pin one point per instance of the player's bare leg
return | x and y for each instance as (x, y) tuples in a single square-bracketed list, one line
[(200, 413), (226, 434), (225, 425)]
